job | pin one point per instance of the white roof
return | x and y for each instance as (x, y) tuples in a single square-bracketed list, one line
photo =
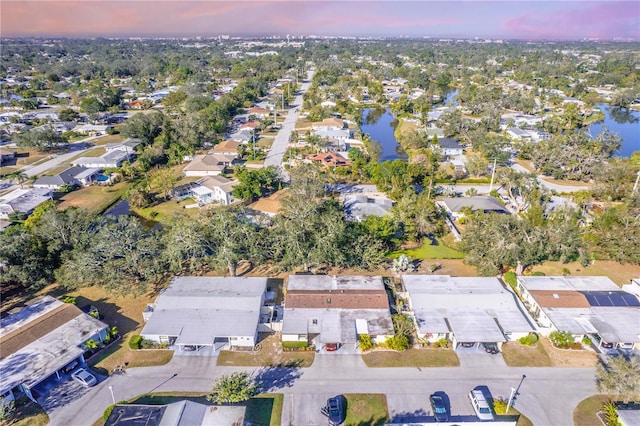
[(473, 308), (198, 309), (593, 283), (332, 282)]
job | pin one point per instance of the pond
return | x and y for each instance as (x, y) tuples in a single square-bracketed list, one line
[(123, 209), (380, 125), (624, 122)]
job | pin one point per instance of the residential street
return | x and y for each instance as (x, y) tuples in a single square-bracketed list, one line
[(549, 185), (548, 396), (279, 147)]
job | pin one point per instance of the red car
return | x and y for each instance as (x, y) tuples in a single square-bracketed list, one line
[(331, 347)]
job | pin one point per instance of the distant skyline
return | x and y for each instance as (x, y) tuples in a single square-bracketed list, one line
[(529, 20)]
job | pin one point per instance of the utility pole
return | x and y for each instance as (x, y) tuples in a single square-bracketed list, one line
[(635, 185), (493, 173)]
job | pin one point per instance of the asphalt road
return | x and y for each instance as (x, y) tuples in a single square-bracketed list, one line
[(550, 185), (548, 396), (279, 146)]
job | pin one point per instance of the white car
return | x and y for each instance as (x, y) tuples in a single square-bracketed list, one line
[(480, 405), (83, 377)]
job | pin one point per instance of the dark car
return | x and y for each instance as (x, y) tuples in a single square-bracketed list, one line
[(467, 344), (491, 348), (439, 408), (335, 410)]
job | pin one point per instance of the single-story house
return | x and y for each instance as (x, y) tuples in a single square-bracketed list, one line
[(206, 313), (487, 204), (212, 189), (332, 133), (23, 201), (328, 159), (208, 165), (41, 340), (127, 146), (464, 309), (593, 307), (258, 112), (330, 123), (330, 310), (187, 413), (117, 153), (518, 134), (227, 148), (449, 147), (92, 128), (358, 207), (80, 176)]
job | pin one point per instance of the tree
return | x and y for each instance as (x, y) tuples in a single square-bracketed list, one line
[(164, 179), (256, 183), (67, 114), (233, 388), (619, 377), (24, 259), (41, 139), (145, 127)]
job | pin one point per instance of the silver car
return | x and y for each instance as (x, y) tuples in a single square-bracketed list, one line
[(83, 377), (480, 405)]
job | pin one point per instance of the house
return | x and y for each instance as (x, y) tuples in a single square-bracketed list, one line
[(260, 113), (208, 165), (328, 104), (334, 134), (454, 206), (329, 310), (593, 307), (97, 130), (464, 309), (328, 159), (206, 314), (227, 148), (41, 341), (23, 201), (449, 147), (117, 153), (330, 123), (187, 413), (73, 176), (358, 207), (518, 134), (212, 189)]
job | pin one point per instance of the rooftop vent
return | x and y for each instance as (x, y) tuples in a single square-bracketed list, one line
[(555, 296)]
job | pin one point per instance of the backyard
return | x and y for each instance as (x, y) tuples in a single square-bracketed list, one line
[(95, 198), (430, 249)]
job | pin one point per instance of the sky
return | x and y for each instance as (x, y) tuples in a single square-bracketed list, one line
[(514, 19)]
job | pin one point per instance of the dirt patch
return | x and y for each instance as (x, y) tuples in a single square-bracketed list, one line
[(620, 273), (568, 357)]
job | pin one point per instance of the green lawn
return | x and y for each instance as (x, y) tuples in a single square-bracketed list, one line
[(95, 198), (412, 358), (165, 211), (430, 251), (585, 412), (366, 409), (265, 409)]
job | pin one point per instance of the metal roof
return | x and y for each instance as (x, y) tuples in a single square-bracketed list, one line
[(332, 282)]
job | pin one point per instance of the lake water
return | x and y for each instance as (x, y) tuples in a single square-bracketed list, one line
[(124, 209), (626, 123), (380, 124)]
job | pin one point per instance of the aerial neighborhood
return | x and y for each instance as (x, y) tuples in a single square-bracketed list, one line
[(305, 229)]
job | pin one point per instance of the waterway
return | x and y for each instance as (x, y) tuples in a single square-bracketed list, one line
[(380, 125), (624, 122), (123, 208)]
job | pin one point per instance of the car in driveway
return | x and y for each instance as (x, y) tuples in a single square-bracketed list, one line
[(480, 405), (439, 408), (335, 410), (85, 378), (490, 348)]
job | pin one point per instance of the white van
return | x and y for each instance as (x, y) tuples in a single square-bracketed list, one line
[(480, 405)]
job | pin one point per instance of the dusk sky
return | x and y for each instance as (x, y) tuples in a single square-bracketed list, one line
[(557, 20)]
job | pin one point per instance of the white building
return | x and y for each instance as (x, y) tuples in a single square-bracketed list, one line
[(23, 201)]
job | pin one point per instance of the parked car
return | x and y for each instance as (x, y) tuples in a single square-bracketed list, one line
[(335, 410), (331, 347), (480, 405), (85, 378), (490, 348), (439, 408), (467, 344)]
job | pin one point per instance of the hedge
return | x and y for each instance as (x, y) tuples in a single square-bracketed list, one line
[(294, 345), (135, 341)]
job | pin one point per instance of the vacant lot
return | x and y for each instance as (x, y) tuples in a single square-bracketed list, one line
[(519, 355), (568, 357), (412, 358), (430, 250), (620, 273), (95, 198), (366, 409), (270, 354)]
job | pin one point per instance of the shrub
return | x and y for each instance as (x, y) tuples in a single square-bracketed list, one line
[(69, 299), (398, 343), (442, 343), (365, 342), (499, 405), (295, 345), (147, 344), (538, 274), (610, 414), (586, 341), (134, 342), (529, 340), (566, 271), (561, 339), (510, 278)]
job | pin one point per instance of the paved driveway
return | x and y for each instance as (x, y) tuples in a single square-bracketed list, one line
[(478, 358)]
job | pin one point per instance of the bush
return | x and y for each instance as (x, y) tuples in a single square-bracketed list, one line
[(398, 343), (610, 414), (134, 342), (511, 278), (69, 299), (561, 339), (443, 343), (365, 342), (586, 341), (538, 274), (292, 346), (566, 271), (529, 340), (499, 405), (147, 344)]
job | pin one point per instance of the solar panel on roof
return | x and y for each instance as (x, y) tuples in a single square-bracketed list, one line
[(611, 298)]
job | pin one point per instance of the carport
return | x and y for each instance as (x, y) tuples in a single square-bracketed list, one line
[(476, 327)]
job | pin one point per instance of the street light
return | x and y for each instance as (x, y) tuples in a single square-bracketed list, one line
[(113, 398), (514, 393)]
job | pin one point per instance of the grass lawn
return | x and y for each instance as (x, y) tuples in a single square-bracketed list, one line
[(165, 211), (620, 273), (430, 251), (96, 198), (265, 409), (93, 152), (412, 358), (518, 355), (453, 267), (24, 157), (270, 354), (521, 420), (163, 398), (105, 139), (585, 412), (568, 357), (366, 409), (27, 413)]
